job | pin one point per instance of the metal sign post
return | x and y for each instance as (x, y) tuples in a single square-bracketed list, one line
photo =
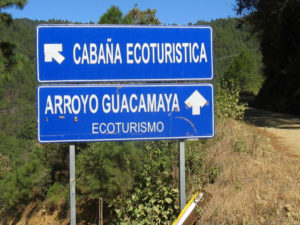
[(181, 175), (72, 185)]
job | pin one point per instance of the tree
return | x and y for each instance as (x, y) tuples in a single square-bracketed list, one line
[(105, 169), (277, 24), (243, 71), (134, 16), (7, 59), (112, 16), (144, 17), (4, 4)]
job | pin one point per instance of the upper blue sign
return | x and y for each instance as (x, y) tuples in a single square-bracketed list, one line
[(86, 53), (74, 113)]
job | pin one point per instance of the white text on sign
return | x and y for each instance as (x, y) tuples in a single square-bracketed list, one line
[(113, 103), (137, 53)]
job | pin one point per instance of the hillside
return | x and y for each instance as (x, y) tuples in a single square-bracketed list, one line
[(258, 178), (251, 178), (229, 41)]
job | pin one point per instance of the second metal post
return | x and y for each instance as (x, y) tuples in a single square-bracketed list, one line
[(72, 186), (182, 199)]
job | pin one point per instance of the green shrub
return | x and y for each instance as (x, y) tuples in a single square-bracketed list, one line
[(153, 199), (55, 194), (239, 146), (245, 72), (212, 174), (4, 165), (105, 169), (151, 202), (194, 161), (23, 185), (227, 103)]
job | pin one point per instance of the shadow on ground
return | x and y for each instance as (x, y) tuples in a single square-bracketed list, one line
[(262, 118)]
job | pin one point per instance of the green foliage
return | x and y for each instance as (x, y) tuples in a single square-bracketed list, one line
[(55, 157), (153, 198), (4, 166), (197, 173), (154, 204), (243, 71), (212, 174), (10, 3), (277, 25), (18, 151), (4, 4), (112, 16), (227, 103), (7, 54), (6, 18), (238, 146), (104, 169), (8, 59), (194, 157), (134, 16), (56, 193), (29, 181), (144, 17), (229, 42), (238, 185)]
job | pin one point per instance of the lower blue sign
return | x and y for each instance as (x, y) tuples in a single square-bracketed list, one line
[(79, 113)]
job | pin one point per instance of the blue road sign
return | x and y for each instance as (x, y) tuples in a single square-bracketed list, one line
[(86, 53), (79, 113)]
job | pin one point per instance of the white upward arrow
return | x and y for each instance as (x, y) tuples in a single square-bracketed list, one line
[(196, 101), (52, 51)]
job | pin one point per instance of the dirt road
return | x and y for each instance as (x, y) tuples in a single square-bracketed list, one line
[(285, 127)]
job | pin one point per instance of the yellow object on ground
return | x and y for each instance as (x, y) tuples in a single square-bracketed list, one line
[(188, 209)]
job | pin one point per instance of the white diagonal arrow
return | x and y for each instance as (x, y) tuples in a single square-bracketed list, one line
[(196, 101), (52, 51)]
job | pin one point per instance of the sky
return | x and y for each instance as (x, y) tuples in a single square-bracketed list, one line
[(168, 11)]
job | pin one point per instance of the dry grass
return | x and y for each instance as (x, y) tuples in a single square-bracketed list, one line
[(259, 182), (34, 214)]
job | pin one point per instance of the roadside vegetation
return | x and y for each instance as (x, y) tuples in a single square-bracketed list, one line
[(258, 178)]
